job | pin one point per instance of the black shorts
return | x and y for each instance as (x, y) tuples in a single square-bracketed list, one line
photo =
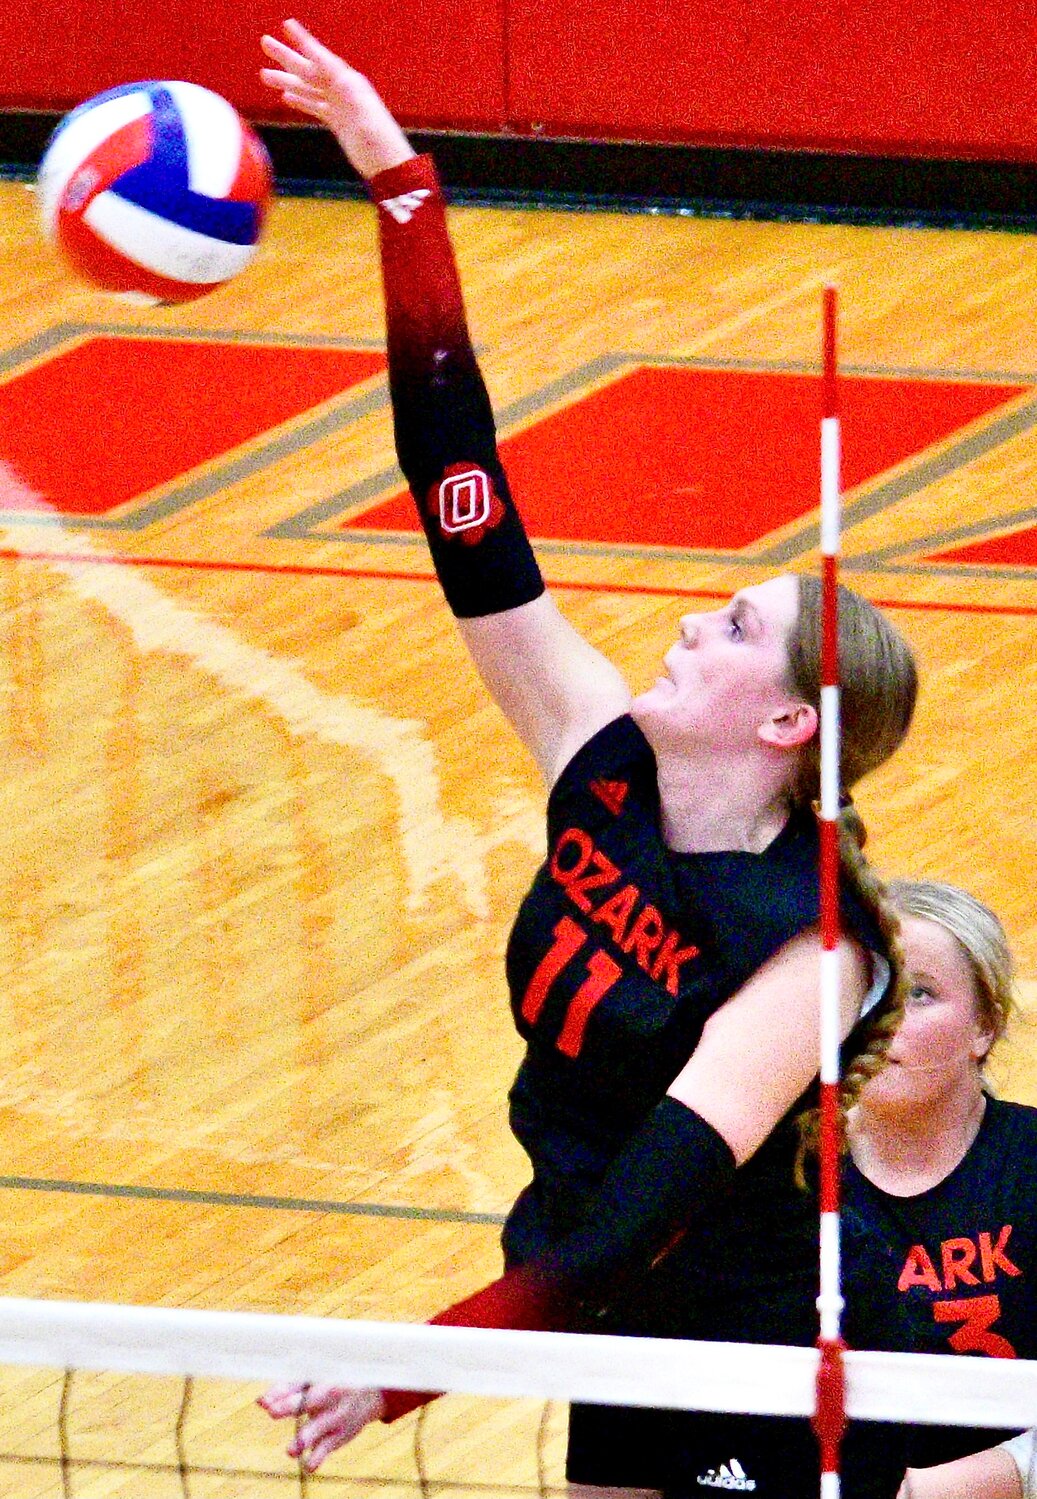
[(620, 1446), (691, 1456)]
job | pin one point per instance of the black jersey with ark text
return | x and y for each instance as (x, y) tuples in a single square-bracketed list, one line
[(962, 1258)]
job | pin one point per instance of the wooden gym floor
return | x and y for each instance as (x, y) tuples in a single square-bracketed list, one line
[(262, 833)]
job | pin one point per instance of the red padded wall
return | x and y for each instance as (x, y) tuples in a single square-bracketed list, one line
[(927, 77), (435, 61), (55, 53), (940, 77)]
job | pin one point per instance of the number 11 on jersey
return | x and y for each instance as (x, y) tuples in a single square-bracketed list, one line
[(602, 973)]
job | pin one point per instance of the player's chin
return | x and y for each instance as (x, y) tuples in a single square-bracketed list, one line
[(891, 1089), (656, 701), (646, 710)]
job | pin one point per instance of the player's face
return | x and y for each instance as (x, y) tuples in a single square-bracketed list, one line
[(942, 1038), (727, 674)]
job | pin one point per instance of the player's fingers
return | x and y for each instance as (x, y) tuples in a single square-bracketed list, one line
[(310, 47), (282, 1400), (316, 106), (323, 1424), (313, 1460), (296, 62), (279, 78)]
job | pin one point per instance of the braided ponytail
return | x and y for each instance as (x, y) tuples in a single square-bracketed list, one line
[(879, 687), (875, 1037), (875, 897)]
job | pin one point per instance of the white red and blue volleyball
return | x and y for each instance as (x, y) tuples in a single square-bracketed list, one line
[(156, 190)]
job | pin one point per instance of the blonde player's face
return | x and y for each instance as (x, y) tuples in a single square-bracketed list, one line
[(941, 1040), (727, 674)]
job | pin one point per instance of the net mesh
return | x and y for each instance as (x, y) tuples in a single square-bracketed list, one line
[(89, 1434), (146, 1402)]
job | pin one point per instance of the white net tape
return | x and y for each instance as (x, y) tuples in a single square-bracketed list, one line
[(750, 1378)]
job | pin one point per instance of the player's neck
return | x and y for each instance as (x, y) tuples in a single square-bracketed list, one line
[(904, 1152), (715, 805)]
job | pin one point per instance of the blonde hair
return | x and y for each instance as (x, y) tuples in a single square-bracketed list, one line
[(979, 935), (878, 689)]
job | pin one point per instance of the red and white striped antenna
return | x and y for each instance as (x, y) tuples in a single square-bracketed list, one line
[(830, 1417)]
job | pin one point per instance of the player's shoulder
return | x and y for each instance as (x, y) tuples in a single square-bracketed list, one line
[(1013, 1125), (615, 764)]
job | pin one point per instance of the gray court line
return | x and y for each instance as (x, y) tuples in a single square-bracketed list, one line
[(301, 527), (917, 478), (807, 367), (248, 1200), (953, 537), (707, 362), (226, 474), (964, 377), (978, 570), (62, 333), (41, 343), (229, 336)]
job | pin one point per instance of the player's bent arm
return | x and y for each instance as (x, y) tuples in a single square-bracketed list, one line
[(759, 1052), (992, 1474), (553, 686), (757, 1056)]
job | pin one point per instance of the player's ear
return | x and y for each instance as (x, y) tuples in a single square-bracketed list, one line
[(790, 727), (983, 1040)]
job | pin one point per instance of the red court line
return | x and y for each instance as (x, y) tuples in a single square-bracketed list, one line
[(289, 569)]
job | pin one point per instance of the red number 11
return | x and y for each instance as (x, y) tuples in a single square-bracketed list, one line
[(602, 973)]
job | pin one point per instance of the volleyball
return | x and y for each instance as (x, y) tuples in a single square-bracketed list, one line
[(157, 191)]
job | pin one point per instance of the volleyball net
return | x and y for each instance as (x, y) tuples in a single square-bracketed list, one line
[(102, 1399)]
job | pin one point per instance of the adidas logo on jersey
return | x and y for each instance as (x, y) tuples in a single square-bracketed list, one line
[(403, 208), (612, 793), (730, 1476)]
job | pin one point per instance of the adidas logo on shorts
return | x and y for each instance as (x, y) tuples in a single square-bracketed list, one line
[(730, 1476)]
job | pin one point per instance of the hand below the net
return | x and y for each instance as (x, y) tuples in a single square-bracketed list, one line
[(336, 1416), (314, 81)]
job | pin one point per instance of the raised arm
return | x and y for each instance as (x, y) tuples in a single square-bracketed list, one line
[(554, 687)]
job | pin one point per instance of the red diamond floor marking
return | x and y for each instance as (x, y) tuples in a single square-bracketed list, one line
[(708, 458), (1017, 550), (112, 418)]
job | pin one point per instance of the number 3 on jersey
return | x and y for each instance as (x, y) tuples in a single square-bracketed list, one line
[(977, 1315), (602, 973)]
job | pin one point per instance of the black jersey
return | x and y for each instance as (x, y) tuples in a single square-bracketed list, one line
[(620, 953), (961, 1259)]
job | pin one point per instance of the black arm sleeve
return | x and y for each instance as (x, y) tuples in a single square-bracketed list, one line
[(445, 435), (672, 1171), (673, 1168)]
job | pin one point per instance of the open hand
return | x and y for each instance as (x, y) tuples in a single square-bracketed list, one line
[(313, 80)]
